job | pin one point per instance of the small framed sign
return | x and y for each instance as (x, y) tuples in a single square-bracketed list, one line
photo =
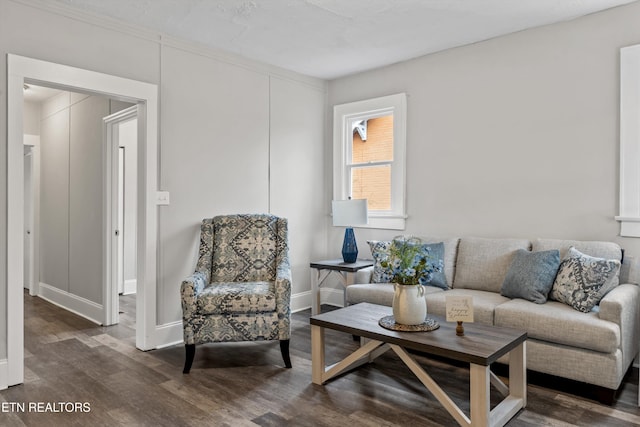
[(459, 308)]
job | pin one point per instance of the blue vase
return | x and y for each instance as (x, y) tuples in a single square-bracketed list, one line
[(349, 247)]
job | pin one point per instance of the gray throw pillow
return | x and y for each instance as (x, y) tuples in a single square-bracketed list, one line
[(531, 275), (380, 252), (583, 280)]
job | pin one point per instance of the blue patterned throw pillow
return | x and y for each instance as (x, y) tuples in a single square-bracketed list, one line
[(583, 280), (380, 253)]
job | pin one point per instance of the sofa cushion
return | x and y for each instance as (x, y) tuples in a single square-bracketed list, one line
[(583, 280), (450, 255), (380, 253), (531, 275), (558, 323), (484, 303), (607, 250), (230, 298), (482, 263), (377, 293)]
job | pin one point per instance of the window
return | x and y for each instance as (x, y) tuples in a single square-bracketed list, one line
[(369, 157), (629, 141)]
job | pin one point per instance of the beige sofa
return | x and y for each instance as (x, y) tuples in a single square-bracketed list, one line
[(597, 347)]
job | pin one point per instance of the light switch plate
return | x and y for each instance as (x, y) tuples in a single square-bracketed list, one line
[(162, 198)]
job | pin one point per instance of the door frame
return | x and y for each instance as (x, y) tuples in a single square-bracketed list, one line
[(33, 141), (21, 70), (111, 203)]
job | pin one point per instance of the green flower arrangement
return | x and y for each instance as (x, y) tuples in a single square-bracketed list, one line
[(410, 262)]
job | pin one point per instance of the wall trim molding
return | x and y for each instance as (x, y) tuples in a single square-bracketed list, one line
[(4, 383), (332, 296), (91, 18), (300, 301), (303, 300), (81, 306), (239, 61), (173, 42), (130, 286), (170, 334)]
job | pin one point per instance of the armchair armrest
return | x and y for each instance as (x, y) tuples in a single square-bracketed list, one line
[(283, 297), (620, 306), (189, 290)]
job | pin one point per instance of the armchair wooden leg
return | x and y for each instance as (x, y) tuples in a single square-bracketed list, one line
[(190, 352), (284, 349)]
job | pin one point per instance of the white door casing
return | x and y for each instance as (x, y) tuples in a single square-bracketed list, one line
[(28, 218), (32, 218), (20, 70), (113, 229)]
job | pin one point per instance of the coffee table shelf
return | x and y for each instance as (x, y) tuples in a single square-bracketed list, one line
[(480, 346)]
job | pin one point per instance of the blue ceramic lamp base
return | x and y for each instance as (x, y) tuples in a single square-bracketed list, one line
[(349, 247)]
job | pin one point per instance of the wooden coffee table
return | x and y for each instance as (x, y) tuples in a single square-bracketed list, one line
[(480, 346)]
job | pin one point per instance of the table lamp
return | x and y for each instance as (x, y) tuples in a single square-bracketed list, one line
[(349, 213)]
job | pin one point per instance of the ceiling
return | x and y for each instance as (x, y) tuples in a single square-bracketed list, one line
[(334, 38)]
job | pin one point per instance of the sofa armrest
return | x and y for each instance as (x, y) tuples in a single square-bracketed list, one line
[(630, 270), (364, 275), (189, 290), (620, 306)]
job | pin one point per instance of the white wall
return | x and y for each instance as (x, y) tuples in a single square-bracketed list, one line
[(216, 115), (71, 196), (297, 184), (31, 118), (85, 198), (513, 137), (54, 194)]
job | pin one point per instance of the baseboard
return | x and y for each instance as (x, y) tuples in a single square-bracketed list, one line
[(300, 301), (169, 334), (130, 286), (4, 366), (73, 303), (303, 300), (332, 296)]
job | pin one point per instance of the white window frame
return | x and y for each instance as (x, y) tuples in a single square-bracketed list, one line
[(629, 217), (343, 117)]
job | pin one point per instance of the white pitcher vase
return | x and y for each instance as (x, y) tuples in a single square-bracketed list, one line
[(409, 305)]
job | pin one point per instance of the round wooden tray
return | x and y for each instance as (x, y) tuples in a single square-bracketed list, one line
[(389, 322)]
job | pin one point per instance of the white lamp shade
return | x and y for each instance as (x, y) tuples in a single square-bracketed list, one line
[(349, 213)]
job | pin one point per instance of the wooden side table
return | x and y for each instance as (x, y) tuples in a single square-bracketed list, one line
[(320, 270)]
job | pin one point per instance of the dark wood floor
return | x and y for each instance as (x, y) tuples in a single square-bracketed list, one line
[(69, 359)]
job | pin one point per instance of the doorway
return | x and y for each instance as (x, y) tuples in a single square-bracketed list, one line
[(23, 70), (78, 132)]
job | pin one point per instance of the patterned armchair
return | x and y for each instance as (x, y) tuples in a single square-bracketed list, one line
[(241, 289)]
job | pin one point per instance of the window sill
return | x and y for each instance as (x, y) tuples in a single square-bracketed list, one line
[(629, 226), (390, 222)]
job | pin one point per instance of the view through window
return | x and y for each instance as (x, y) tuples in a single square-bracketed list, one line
[(371, 159)]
